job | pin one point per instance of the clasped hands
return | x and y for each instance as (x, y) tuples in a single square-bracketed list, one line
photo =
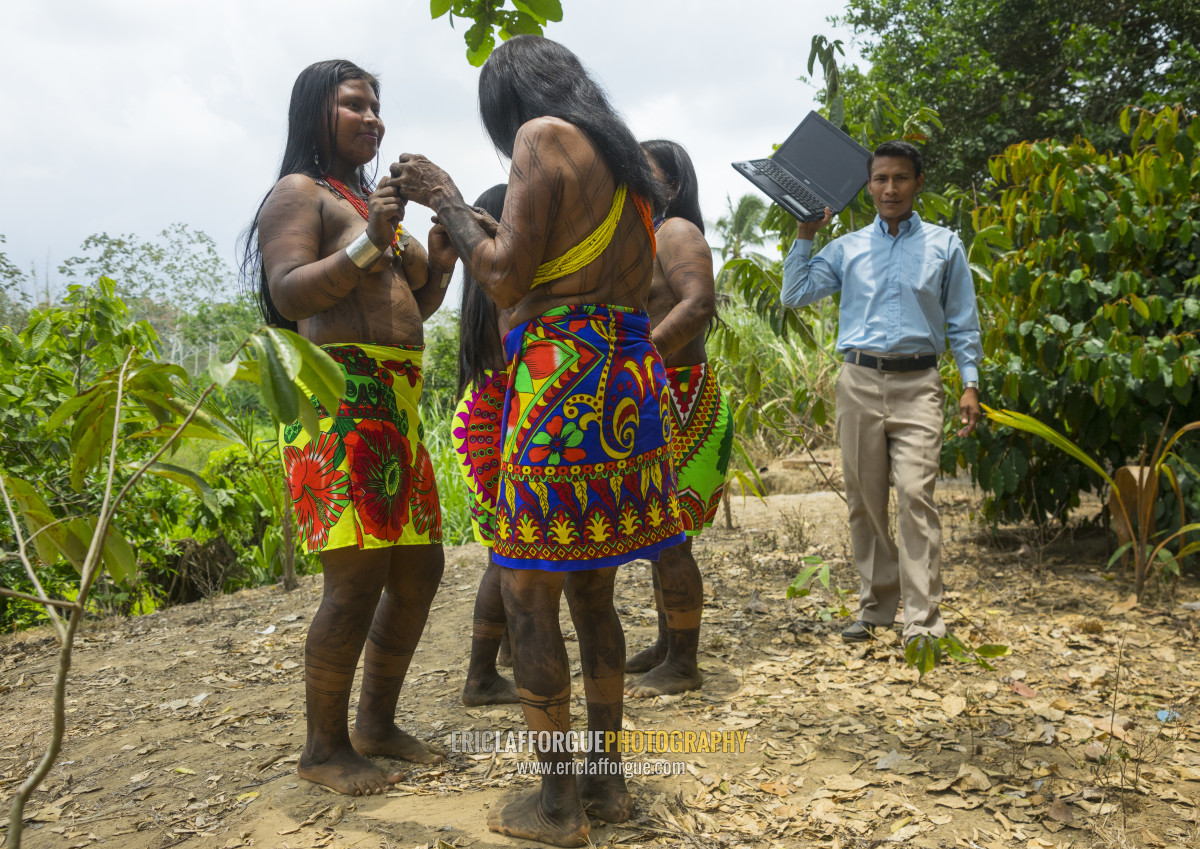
[(386, 206), (420, 180)]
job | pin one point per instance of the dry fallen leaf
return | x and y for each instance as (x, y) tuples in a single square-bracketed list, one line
[(1124, 606), (900, 764), (775, 788), (1060, 811), (1152, 839), (844, 783), (971, 778), (1022, 689), (959, 803), (953, 704)]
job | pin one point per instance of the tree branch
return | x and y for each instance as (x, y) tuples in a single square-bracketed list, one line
[(67, 605), (23, 554)]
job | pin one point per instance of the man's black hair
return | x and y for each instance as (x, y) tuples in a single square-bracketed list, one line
[(479, 343), (898, 150), (531, 77), (677, 167), (313, 97)]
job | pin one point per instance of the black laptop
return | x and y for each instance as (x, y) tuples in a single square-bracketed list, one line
[(818, 166)]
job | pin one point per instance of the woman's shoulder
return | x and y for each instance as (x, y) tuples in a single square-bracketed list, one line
[(296, 184), (679, 226), (677, 233), (557, 132), (548, 124)]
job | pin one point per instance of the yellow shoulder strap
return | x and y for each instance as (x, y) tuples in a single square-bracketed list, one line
[(587, 250)]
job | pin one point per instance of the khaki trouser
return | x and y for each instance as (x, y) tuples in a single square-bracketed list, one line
[(889, 424)]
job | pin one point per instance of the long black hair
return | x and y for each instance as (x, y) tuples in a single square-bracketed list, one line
[(313, 97), (531, 77), (479, 343), (677, 167)]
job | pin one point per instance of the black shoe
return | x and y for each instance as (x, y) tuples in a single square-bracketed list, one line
[(859, 632)]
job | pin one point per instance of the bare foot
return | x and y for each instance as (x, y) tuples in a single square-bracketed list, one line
[(495, 691), (663, 680), (647, 659), (606, 797), (347, 772), (395, 743), (526, 818)]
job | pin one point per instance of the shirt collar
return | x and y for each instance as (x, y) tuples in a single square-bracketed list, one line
[(906, 226)]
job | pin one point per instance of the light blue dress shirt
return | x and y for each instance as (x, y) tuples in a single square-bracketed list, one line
[(911, 293)]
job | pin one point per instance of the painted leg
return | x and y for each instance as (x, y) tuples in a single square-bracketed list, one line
[(553, 814), (413, 575), (504, 657), (353, 581), (602, 658), (648, 658), (485, 685), (682, 593)]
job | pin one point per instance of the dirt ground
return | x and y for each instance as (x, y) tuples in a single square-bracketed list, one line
[(184, 727)]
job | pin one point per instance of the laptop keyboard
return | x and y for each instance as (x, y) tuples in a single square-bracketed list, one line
[(794, 187)]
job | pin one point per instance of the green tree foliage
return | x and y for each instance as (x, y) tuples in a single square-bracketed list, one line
[(492, 18), (1006, 71), (1090, 310), (59, 351), (58, 380), (739, 229), (179, 267), (177, 281), (140, 401)]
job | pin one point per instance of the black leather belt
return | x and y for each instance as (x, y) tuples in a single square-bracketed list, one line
[(911, 362)]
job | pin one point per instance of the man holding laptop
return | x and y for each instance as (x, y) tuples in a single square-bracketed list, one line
[(906, 292)]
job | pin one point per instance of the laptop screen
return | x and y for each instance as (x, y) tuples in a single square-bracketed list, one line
[(821, 153)]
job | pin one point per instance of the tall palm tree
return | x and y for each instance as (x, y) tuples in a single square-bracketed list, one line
[(740, 227)]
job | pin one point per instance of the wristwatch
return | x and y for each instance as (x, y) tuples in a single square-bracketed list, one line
[(971, 384)]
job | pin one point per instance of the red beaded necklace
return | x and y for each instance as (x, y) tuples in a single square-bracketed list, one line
[(344, 190), (355, 201)]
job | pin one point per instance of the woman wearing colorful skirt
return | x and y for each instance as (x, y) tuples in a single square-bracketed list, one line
[(587, 480)]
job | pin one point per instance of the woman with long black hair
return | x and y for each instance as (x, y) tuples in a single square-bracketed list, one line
[(586, 479), (363, 492), (682, 304)]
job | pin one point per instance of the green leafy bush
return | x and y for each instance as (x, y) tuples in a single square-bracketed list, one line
[(1090, 302)]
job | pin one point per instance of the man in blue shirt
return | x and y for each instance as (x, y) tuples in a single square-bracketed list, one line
[(906, 292)]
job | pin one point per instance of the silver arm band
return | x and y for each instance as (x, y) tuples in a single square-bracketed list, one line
[(363, 252)]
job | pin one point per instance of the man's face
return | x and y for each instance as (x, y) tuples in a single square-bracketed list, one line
[(893, 186)]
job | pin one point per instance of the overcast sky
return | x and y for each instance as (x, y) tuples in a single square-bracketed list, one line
[(124, 116)]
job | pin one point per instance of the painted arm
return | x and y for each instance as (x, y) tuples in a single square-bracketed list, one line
[(686, 261), (503, 264), (289, 233)]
